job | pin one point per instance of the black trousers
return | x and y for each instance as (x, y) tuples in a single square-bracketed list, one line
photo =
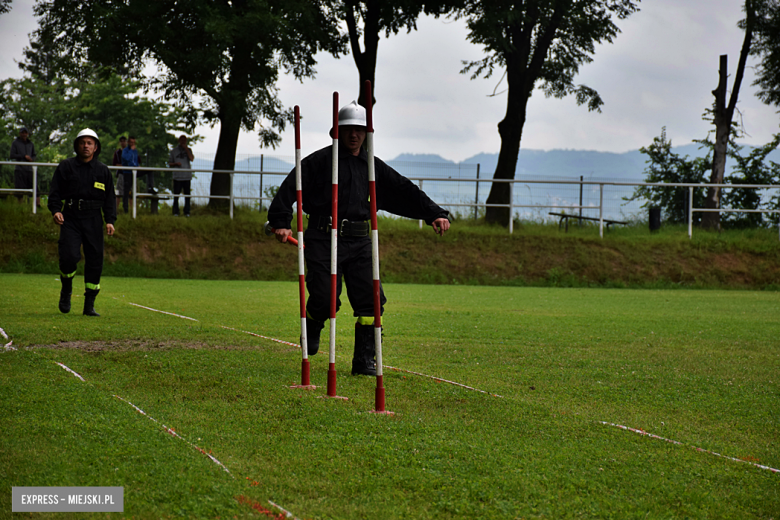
[(178, 187), (353, 266), (76, 232)]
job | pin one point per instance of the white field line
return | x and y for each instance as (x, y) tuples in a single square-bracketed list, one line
[(441, 380), (71, 371), (163, 312), (164, 427), (7, 346), (678, 443), (283, 510), (264, 337)]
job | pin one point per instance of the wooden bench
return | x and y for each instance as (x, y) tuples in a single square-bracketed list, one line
[(564, 220)]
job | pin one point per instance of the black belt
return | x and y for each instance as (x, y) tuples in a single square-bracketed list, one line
[(83, 205), (347, 228)]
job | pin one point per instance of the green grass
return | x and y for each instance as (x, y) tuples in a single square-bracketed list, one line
[(699, 367)]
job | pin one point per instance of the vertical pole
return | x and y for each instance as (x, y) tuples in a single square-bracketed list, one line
[(261, 182), (580, 219), (305, 367), (334, 247), (476, 195), (379, 396), (511, 207), (231, 196), (135, 189), (601, 210), (690, 212), (35, 189), (419, 222)]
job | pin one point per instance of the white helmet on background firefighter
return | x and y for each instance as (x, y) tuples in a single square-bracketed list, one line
[(87, 132)]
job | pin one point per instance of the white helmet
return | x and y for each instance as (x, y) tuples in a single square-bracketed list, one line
[(353, 115), (87, 132)]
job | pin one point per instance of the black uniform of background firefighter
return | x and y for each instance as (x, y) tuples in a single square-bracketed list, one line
[(394, 193), (82, 195)]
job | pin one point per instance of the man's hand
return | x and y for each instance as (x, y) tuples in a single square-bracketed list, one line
[(440, 225), (282, 234), (110, 229), (28, 158), (58, 218)]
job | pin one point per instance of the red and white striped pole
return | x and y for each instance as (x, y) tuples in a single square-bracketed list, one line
[(305, 367), (334, 248), (379, 401)]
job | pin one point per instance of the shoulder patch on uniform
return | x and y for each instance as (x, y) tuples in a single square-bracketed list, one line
[(100, 186)]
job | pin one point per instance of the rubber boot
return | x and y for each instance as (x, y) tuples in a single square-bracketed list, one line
[(89, 302), (65, 292), (313, 329), (363, 362)]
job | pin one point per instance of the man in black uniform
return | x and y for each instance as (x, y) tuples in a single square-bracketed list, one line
[(395, 194), (82, 186)]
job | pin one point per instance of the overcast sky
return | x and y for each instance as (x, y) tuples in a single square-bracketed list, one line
[(660, 71)]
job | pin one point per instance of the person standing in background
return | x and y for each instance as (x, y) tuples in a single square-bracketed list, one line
[(23, 150), (181, 157), (122, 187)]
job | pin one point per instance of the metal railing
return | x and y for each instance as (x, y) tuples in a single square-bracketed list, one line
[(475, 205)]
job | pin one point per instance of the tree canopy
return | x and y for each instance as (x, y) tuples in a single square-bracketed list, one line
[(536, 43), (218, 60), (766, 46)]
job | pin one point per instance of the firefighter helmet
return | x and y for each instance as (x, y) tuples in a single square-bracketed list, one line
[(87, 132)]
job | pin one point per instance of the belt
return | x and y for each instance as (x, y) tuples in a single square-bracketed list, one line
[(83, 205), (347, 228)]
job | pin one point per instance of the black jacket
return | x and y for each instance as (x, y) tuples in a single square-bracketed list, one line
[(394, 193), (75, 180)]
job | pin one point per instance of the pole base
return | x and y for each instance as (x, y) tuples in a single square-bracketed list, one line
[(332, 384), (304, 387), (383, 412)]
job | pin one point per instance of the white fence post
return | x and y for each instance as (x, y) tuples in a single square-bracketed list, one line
[(690, 212), (231, 196), (511, 207), (421, 187), (135, 190), (601, 211), (35, 189)]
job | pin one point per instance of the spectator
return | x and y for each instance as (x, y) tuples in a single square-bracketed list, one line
[(120, 178), (23, 150), (181, 157)]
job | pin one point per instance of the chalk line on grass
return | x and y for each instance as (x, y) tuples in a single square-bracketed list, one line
[(71, 371), (441, 380), (678, 443), (163, 312), (264, 337), (173, 432), (257, 506), (7, 346), (167, 429)]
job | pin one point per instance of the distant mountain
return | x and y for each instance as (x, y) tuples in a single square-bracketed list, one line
[(552, 164)]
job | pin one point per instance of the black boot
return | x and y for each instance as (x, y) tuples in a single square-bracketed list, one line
[(65, 292), (363, 362), (313, 329), (89, 302)]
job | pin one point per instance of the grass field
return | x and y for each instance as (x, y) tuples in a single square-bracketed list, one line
[(698, 367)]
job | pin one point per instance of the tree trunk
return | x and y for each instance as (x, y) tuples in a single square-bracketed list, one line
[(511, 131), (723, 116), (722, 121), (230, 126), (365, 60)]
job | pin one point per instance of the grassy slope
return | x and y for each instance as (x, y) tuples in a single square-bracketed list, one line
[(214, 247), (696, 367)]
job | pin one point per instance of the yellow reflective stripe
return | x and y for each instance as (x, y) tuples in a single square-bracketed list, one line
[(92, 286), (365, 320), (71, 275), (100, 186)]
